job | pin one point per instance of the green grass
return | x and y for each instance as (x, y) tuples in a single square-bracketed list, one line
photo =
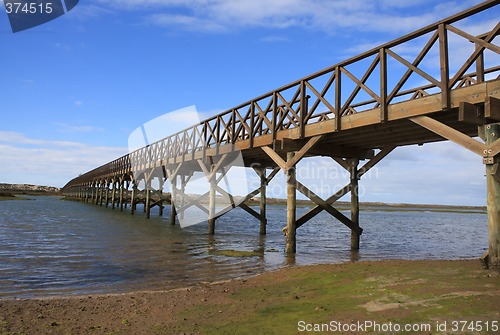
[(403, 294)]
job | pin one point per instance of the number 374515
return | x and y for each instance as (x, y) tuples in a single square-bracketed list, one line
[(28, 8)]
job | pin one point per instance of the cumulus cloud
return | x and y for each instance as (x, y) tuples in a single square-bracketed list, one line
[(46, 162)]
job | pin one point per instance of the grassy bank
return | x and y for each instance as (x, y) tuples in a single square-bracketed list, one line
[(397, 292)]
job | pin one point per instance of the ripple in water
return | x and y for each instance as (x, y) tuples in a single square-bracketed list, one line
[(53, 247)]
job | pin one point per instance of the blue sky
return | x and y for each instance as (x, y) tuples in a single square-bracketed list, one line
[(73, 90)]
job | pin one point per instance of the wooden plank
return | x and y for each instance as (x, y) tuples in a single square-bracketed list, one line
[(450, 134)]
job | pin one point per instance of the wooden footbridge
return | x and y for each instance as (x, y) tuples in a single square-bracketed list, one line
[(342, 112)]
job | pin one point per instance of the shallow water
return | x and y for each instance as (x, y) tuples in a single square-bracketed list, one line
[(51, 247)]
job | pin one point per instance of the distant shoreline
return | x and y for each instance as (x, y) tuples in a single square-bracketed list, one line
[(12, 191)]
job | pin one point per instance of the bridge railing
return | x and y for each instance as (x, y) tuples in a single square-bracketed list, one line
[(372, 80)]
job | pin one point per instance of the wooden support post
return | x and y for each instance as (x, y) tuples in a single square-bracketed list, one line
[(102, 185), (172, 200), (160, 194), (127, 185), (113, 194), (92, 187), (353, 167), (212, 200), (122, 186), (184, 181), (263, 186), (492, 133), (445, 66), (107, 185), (132, 198), (147, 200), (291, 206)]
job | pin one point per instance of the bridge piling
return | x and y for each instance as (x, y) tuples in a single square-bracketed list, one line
[(113, 193), (353, 165), (291, 207), (263, 186), (492, 134), (212, 199), (132, 197), (173, 192)]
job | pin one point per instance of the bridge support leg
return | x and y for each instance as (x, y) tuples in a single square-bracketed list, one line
[(291, 207), (101, 193), (492, 133), (132, 198), (353, 165), (161, 181), (147, 204), (107, 185), (172, 200), (263, 186), (92, 188), (113, 193), (122, 185), (212, 200), (125, 198)]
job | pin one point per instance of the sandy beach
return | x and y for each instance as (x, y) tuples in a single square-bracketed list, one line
[(289, 301)]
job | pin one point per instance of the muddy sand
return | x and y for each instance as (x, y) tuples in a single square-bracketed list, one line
[(447, 297)]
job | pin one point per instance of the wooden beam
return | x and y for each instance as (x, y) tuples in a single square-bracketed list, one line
[(445, 67), (275, 157), (450, 134), (301, 153), (346, 189), (341, 162), (250, 211), (494, 148), (492, 109), (327, 207), (470, 113)]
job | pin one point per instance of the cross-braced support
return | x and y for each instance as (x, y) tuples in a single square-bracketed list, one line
[(293, 184), (490, 151)]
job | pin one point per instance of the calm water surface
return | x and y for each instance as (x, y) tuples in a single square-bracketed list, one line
[(51, 247)]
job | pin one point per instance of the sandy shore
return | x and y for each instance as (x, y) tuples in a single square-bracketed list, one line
[(287, 301)]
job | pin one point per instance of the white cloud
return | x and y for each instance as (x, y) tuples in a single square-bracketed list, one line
[(67, 128), (46, 162), (328, 16)]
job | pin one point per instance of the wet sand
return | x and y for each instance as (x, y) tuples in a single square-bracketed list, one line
[(286, 301)]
